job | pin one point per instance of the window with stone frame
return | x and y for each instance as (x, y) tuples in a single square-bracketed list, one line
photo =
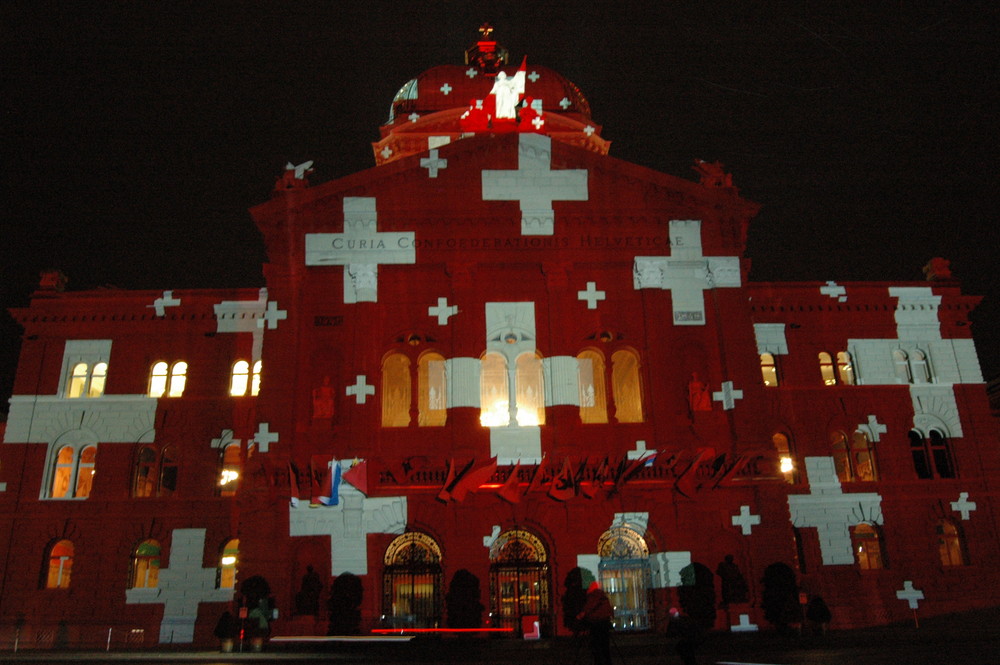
[(593, 387), (769, 370), (58, 565), (786, 457), (167, 379), (85, 368), (432, 390), (72, 471), (144, 568), (231, 468), (396, 390), (853, 459), (931, 455), (626, 386), (229, 559), (243, 381), (866, 542), (156, 472), (951, 544)]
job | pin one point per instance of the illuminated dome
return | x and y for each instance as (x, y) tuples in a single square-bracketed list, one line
[(451, 102)]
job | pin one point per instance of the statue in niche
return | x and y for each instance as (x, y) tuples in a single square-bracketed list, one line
[(734, 585), (323, 400), (698, 397), (307, 599)]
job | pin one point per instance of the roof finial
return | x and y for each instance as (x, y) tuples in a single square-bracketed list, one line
[(485, 55)]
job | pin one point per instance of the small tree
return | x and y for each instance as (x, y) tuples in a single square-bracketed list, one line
[(346, 593), (256, 594), (573, 600), (462, 601), (697, 594), (780, 596)]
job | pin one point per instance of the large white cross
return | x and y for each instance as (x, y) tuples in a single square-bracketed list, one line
[(167, 300), (591, 295), (727, 396), (361, 249), (875, 428), (535, 185), (442, 311), (432, 163), (963, 505), (834, 290), (910, 595), (745, 520), (832, 511), (639, 452), (182, 587), (264, 438), (686, 273), (361, 389)]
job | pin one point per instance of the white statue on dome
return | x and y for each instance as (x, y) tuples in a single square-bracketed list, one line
[(508, 91)]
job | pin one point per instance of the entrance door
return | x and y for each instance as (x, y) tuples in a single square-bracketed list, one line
[(519, 581), (626, 577)]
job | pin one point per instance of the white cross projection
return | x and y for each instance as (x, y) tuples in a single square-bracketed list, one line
[(591, 295), (433, 163), (361, 389), (264, 438), (442, 311), (745, 520)]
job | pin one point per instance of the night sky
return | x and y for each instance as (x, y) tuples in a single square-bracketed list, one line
[(137, 134)]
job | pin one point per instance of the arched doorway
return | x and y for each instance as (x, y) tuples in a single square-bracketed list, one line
[(519, 581), (626, 577), (411, 582)]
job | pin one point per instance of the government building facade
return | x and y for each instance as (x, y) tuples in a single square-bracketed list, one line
[(497, 364)]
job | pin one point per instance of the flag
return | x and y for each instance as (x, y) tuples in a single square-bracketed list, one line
[(536, 480), (471, 480), (454, 475), (510, 491), (563, 487), (627, 469), (589, 488), (725, 479), (331, 485), (293, 485), (687, 482), (357, 476)]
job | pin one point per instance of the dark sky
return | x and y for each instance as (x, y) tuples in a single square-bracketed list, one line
[(137, 134)]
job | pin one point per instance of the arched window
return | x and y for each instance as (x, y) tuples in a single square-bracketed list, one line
[(901, 366), (87, 381), (626, 388), (768, 370), (59, 565), (845, 368), (951, 548), (919, 369), (932, 456), (396, 390), (530, 383), (519, 580), (867, 546), (145, 569), (229, 559), (494, 394), (412, 582), (229, 474), (826, 369), (626, 576), (167, 380), (255, 379), (73, 472), (593, 393), (433, 387), (786, 460), (158, 380), (240, 379), (854, 460), (156, 472)]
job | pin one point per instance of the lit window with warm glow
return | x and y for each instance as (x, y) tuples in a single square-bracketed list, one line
[(396, 390), (228, 562), (786, 461), (853, 459), (73, 472), (768, 370), (240, 378), (255, 379), (156, 472), (867, 547), (158, 380), (87, 381), (626, 387), (433, 388), (145, 566), (593, 394), (530, 382), (178, 379), (167, 380), (229, 474), (494, 393), (826, 369), (59, 565), (845, 368)]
